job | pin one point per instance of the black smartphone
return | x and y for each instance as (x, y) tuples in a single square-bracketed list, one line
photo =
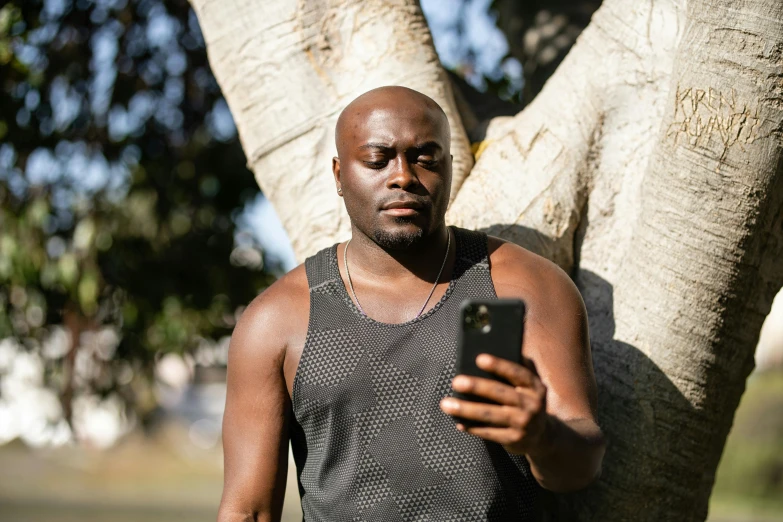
[(488, 326)]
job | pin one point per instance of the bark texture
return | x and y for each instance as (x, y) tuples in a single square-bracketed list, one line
[(650, 167)]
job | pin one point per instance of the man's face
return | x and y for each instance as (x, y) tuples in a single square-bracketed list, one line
[(394, 169)]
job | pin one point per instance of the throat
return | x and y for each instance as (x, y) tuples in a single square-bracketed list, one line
[(397, 304), (396, 299)]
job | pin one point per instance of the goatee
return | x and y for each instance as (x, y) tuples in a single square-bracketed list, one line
[(397, 240)]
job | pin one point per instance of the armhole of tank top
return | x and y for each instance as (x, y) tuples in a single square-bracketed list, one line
[(320, 257), (492, 289)]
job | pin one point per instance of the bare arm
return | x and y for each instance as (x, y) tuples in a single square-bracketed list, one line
[(557, 342), (548, 413), (255, 423)]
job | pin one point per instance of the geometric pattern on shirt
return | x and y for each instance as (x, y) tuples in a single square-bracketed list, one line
[(397, 450), (374, 443), (335, 360), (395, 396)]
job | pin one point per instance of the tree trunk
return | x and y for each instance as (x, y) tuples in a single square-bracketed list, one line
[(650, 167)]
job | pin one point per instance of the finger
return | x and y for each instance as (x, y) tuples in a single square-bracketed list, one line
[(488, 389), (504, 436), (538, 384), (496, 415), (513, 372), (528, 363)]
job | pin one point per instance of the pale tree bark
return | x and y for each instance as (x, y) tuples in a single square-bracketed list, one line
[(650, 167)]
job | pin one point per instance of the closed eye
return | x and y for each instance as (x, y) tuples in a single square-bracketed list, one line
[(376, 164), (428, 161)]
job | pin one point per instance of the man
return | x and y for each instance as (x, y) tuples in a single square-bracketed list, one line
[(351, 355)]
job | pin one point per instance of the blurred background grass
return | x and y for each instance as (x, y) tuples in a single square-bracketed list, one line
[(749, 482), (163, 476), (146, 479)]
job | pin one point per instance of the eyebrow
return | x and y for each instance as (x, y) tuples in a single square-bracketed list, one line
[(419, 146), (428, 145), (375, 146)]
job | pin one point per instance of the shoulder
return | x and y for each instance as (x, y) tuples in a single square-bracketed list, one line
[(550, 296), (518, 272), (273, 318)]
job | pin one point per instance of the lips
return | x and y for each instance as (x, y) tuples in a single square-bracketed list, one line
[(415, 205), (402, 208)]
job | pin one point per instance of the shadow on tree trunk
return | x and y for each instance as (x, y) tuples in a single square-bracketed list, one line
[(637, 407)]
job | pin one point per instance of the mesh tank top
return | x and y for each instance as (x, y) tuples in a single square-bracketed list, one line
[(369, 440)]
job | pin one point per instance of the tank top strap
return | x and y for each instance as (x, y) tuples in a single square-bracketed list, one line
[(320, 268), (472, 266), (473, 248)]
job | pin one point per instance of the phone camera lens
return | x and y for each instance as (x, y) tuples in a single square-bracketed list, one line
[(482, 318)]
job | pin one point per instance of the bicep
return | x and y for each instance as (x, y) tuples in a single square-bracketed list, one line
[(255, 423)]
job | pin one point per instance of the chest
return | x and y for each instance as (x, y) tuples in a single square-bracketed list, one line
[(364, 369)]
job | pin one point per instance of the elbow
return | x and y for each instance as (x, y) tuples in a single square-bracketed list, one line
[(229, 513), (581, 476), (588, 479), (593, 468)]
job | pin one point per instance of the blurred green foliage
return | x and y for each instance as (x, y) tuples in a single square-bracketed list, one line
[(498, 78), (751, 468), (539, 33), (121, 177)]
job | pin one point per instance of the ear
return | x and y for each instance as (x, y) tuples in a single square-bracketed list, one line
[(336, 172)]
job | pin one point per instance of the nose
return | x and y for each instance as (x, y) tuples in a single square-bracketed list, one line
[(401, 176)]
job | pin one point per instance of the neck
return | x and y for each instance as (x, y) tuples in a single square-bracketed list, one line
[(421, 260)]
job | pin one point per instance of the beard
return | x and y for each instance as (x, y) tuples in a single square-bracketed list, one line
[(397, 239)]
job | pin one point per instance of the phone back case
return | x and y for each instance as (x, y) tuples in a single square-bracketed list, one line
[(492, 326)]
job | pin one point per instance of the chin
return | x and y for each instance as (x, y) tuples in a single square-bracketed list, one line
[(400, 237)]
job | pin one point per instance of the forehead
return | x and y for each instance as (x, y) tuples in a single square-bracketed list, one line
[(396, 124)]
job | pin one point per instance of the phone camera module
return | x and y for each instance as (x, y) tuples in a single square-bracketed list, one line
[(483, 319)]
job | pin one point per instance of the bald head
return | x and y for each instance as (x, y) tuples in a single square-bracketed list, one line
[(393, 149), (394, 99)]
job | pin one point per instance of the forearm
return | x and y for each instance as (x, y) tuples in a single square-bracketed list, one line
[(570, 455)]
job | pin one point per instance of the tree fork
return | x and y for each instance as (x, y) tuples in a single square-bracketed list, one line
[(301, 63)]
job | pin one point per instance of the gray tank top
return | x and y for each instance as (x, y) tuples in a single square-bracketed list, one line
[(369, 440)]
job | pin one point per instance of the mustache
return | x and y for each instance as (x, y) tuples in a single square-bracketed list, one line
[(409, 199)]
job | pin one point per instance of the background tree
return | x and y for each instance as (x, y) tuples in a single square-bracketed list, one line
[(121, 179), (650, 167)]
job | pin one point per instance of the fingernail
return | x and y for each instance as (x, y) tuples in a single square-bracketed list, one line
[(460, 382), (449, 404), (483, 359)]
